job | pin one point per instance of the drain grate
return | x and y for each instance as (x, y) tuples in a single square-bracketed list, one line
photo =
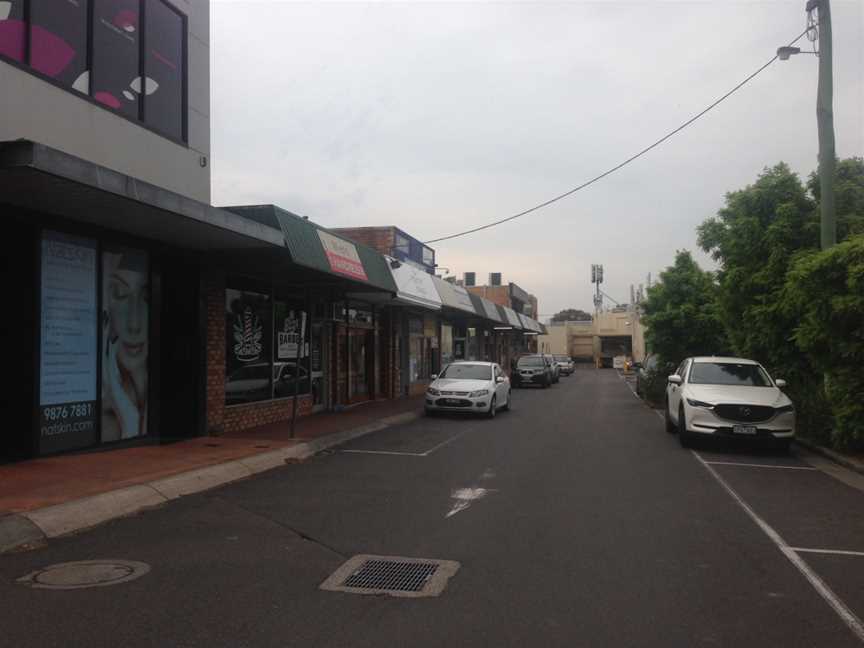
[(399, 575), (392, 575)]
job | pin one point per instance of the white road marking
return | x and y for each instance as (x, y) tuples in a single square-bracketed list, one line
[(443, 443), (488, 474), (752, 465), (840, 608), (410, 454), (837, 552), (465, 497), (386, 452)]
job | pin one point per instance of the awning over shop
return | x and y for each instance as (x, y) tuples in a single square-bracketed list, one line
[(486, 308), (414, 286), (454, 296), (529, 324), (511, 317), (43, 179), (315, 247)]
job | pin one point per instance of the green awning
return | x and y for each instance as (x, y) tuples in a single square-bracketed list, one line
[(316, 247)]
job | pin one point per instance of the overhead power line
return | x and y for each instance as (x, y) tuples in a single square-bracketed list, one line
[(622, 164)]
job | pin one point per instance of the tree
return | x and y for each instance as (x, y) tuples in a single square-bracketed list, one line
[(825, 292), (848, 196), (681, 313), (572, 315)]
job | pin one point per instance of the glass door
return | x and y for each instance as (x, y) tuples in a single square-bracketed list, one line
[(319, 345)]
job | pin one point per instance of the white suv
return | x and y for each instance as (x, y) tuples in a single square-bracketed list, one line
[(728, 397)]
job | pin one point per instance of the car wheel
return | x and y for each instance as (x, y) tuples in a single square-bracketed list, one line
[(493, 408), (683, 435), (670, 426), (506, 406), (545, 383), (784, 445)]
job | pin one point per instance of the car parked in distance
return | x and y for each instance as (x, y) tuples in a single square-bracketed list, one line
[(642, 370), (553, 366), (532, 370), (565, 364), (728, 397), (480, 387)]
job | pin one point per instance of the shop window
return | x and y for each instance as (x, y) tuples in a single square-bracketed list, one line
[(428, 256), (164, 65), (248, 341), (58, 41), (116, 80), (291, 369), (12, 30)]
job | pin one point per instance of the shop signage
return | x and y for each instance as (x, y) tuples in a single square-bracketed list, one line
[(416, 285), (125, 320), (342, 256), (292, 334), (68, 343), (248, 336)]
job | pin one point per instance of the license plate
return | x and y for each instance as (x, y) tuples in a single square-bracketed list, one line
[(744, 429)]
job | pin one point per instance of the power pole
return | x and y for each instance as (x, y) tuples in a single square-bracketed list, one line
[(825, 121)]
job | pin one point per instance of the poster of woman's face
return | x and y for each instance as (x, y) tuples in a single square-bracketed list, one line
[(125, 319)]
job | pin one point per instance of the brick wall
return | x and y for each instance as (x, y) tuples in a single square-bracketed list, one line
[(496, 294), (381, 239), (242, 417), (215, 296)]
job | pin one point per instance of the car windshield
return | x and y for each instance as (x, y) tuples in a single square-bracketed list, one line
[(530, 361), (562, 359), (728, 373), (461, 371)]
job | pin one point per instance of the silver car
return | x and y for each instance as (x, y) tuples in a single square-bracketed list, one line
[(728, 397)]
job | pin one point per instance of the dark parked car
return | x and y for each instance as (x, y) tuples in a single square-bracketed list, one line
[(643, 368), (532, 370)]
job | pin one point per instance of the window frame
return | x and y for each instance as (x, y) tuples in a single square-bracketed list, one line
[(25, 66)]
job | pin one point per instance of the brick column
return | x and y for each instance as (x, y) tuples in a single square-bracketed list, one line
[(214, 286)]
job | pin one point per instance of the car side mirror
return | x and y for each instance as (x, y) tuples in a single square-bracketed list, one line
[(675, 379), (434, 376), (499, 379), (780, 383)]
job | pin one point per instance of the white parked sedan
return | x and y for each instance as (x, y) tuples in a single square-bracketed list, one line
[(469, 387), (728, 397)]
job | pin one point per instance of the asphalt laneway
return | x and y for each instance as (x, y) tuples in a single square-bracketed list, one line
[(592, 527)]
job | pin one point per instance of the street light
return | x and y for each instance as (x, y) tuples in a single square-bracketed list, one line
[(819, 26)]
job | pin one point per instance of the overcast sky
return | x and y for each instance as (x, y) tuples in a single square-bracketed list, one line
[(437, 117)]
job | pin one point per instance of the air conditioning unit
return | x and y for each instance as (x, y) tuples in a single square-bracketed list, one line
[(494, 278), (470, 278)]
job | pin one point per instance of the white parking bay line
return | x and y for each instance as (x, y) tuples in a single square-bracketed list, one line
[(752, 465), (409, 454), (386, 452), (840, 608), (836, 552)]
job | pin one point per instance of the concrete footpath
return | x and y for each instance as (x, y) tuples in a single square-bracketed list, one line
[(55, 496)]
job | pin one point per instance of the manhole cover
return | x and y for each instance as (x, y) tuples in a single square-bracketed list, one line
[(85, 573), (392, 575)]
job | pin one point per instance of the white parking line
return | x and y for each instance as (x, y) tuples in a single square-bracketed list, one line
[(410, 454), (386, 452), (752, 465), (840, 608), (836, 552)]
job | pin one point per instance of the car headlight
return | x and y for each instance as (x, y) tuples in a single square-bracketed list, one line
[(784, 409), (697, 403), (432, 391), (478, 393)]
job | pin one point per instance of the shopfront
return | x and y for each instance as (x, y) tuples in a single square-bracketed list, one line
[(417, 307), (107, 322), (459, 322)]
